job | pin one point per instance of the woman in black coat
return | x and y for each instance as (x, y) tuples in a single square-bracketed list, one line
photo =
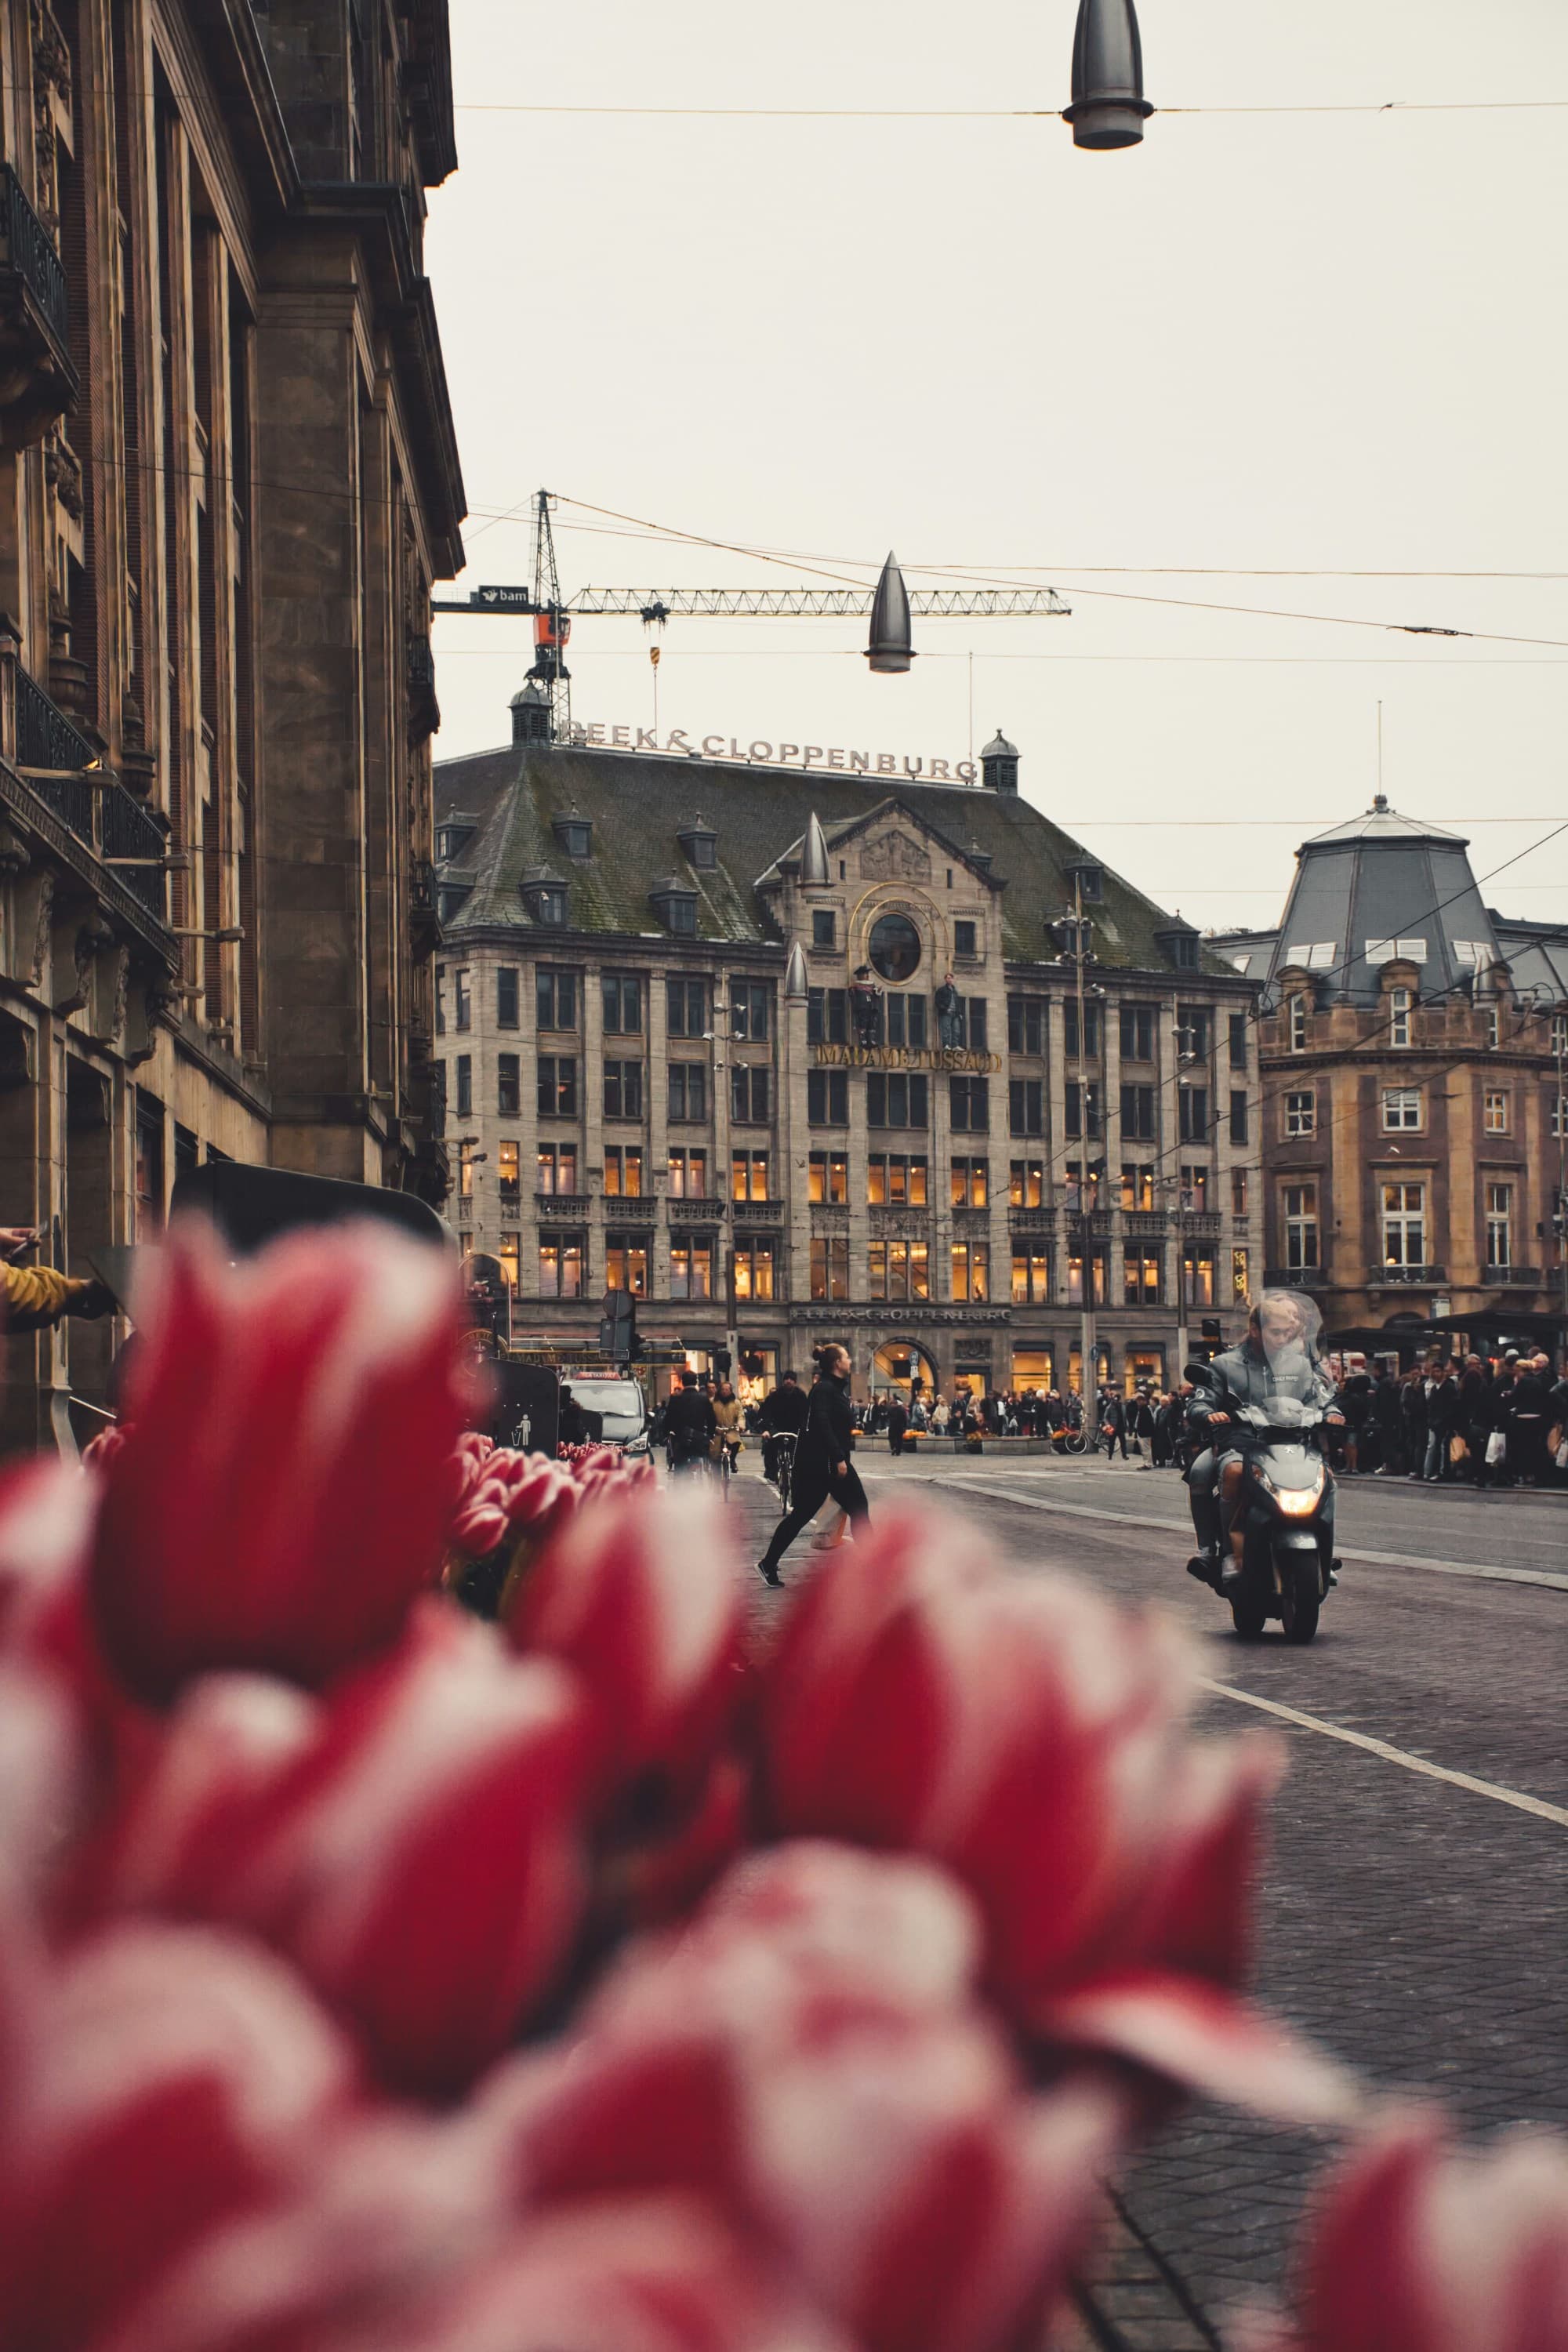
[(822, 1463)]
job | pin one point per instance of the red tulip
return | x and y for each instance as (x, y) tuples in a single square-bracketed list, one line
[(649, 2275), (285, 1490), (173, 2078), (1417, 2249), (1034, 1740), (639, 1597), (422, 1865), (513, 1496)]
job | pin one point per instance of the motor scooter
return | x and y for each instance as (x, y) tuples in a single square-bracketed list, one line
[(1277, 1512)]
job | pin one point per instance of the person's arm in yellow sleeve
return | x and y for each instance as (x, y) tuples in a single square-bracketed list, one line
[(34, 1297)]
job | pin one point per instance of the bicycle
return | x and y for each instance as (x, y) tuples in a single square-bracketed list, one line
[(783, 1478)]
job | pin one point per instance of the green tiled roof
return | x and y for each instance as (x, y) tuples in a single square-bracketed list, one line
[(638, 805)]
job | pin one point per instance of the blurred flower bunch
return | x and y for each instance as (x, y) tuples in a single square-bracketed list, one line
[(377, 1979)]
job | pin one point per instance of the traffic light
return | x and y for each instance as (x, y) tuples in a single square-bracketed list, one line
[(1212, 1327), (618, 1327)]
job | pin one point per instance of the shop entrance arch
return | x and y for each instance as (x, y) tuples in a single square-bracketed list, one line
[(898, 1364)]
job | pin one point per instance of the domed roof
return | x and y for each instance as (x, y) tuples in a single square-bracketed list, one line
[(1381, 823), (534, 692), (999, 748)]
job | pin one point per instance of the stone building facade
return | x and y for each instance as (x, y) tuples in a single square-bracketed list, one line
[(637, 1098), (1412, 1044), (227, 479)]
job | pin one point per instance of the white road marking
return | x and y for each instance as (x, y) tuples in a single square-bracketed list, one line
[(1181, 1527), (1522, 1803)]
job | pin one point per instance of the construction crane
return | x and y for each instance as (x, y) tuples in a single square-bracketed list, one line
[(890, 607)]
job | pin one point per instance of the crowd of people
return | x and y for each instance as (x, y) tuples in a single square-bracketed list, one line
[(1473, 1421)]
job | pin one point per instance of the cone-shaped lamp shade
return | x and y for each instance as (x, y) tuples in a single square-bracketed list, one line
[(891, 648), (814, 857), (797, 984), (1108, 108)]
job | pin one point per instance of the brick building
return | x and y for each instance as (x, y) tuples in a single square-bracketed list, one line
[(1414, 1116), (638, 1098), (230, 479)]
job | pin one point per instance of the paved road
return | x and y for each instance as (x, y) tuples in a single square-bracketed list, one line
[(1412, 1921)]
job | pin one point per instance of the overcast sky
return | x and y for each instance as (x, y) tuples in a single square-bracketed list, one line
[(1322, 343)]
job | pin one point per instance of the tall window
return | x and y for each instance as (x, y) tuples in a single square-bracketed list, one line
[(1496, 1121), (1026, 1107), (690, 1266), (828, 1177), (623, 1171), (1138, 1184), (894, 1100), (898, 1269), (1404, 1224), (827, 1098), (509, 1254), (1299, 1204), (1027, 1184), (965, 939), (1140, 1275), (1238, 1191), (1399, 1016), (1075, 1283), (971, 1269), (969, 1184), (1301, 1112), (750, 1011), (507, 978), (1237, 1116), (1560, 1034), (1198, 1274), (623, 1090), (1025, 1024), (1195, 1031), (1136, 1113), (970, 1100), (689, 1175), (688, 1084), (1092, 1028), (1494, 1028), (440, 1000), (896, 1180), (1084, 1111), (150, 1168), (561, 1264), (1137, 1032), (1238, 1041), (1500, 1225), (1297, 1012), (823, 927), (686, 1007), (1193, 1103), (557, 1084), (556, 998), (626, 1263), (465, 1085), (1401, 1109), (748, 1176), (750, 1094), (1560, 1114), (1031, 1275), (557, 1169), (508, 1085), (462, 1001), (827, 1016), (622, 995), (754, 1270), (509, 1168), (830, 1268), (1195, 1188), (906, 1022)]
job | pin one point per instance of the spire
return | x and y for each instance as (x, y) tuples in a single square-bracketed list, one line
[(797, 984), (1108, 108), (814, 857), (892, 648)]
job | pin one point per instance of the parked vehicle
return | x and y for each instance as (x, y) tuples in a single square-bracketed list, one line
[(616, 1402)]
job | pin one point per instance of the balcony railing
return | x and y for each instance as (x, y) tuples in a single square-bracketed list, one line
[(759, 1212), (47, 741), (424, 899), (1296, 1278), (696, 1213), (556, 1208), (620, 1210), (1417, 1276), (128, 832), (1032, 1221), (1512, 1277), (1143, 1225), (1202, 1224), (30, 252)]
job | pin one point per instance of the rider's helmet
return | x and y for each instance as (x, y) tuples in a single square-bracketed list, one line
[(1285, 1323)]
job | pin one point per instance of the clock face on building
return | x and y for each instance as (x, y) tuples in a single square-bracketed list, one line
[(895, 949)]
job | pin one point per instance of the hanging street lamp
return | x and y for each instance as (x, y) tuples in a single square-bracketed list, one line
[(1108, 108), (892, 648), (814, 856)]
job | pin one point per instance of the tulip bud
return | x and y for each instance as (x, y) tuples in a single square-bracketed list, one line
[(287, 1482)]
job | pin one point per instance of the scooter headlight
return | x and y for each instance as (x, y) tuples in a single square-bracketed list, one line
[(1298, 1502)]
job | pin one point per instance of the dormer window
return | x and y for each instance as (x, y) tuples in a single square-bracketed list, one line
[(699, 843), (544, 895), (1179, 941), (451, 839), (1086, 875), (574, 831), (674, 901)]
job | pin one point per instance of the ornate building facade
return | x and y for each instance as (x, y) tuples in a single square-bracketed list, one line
[(227, 479), (1414, 1114), (647, 1090)]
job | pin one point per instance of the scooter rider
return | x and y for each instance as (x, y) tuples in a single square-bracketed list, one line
[(1278, 1357)]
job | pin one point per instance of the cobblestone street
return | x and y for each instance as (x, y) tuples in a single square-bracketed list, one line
[(1411, 1922)]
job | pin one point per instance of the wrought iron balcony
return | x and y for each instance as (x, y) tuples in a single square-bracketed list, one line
[(425, 902), (1512, 1277), (562, 1208), (128, 832), (424, 709), (1404, 1277), (38, 381), (1296, 1278), (55, 757)]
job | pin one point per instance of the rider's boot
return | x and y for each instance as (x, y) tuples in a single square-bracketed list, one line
[(1205, 1562)]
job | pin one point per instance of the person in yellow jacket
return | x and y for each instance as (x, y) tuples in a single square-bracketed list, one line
[(727, 1413), (34, 1297)]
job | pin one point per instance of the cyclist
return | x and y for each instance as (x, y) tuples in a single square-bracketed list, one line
[(782, 1413), (689, 1425), (729, 1425)]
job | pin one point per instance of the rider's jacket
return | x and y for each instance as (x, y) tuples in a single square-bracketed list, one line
[(1245, 1376)]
